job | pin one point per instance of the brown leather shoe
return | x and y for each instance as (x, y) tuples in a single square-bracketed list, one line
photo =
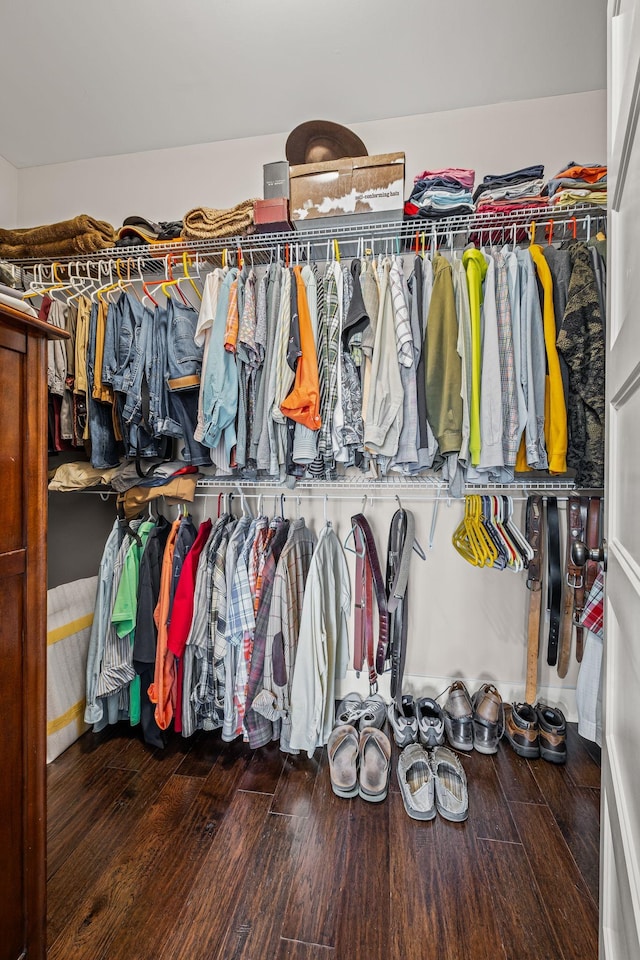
[(521, 729), (553, 733), (488, 722)]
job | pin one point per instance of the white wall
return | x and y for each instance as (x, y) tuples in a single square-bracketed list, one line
[(8, 194), (463, 621), (164, 184)]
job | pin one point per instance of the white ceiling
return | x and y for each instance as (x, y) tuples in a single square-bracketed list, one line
[(89, 78)]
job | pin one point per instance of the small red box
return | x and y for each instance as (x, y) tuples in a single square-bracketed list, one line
[(272, 216)]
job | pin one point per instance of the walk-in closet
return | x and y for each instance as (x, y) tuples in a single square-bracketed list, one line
[(320, 567)]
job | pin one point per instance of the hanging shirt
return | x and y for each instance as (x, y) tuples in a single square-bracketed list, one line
[(383, 422), (220, 387), (443, 365), (476, 268)]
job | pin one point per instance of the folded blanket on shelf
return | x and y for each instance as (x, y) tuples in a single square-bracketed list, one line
[(82, 234), (204, 223)]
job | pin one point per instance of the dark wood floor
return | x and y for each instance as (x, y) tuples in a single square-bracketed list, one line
[(208, 851)]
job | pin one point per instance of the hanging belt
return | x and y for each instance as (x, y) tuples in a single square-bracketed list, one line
[(593, 541), (554, 581), (368, 581), (401, 539), (574, 594), (534, 585)]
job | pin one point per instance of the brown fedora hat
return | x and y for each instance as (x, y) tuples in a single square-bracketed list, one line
[(318, 140)]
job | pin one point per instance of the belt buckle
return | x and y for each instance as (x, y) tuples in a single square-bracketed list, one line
[(575, 580)]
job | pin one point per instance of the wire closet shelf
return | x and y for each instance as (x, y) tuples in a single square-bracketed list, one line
[(402, 236)]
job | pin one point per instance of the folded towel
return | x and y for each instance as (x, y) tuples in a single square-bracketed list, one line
[(204, 223), (82, 234)]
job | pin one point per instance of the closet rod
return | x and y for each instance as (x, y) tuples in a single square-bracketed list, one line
[(410, 497), (402, 230)]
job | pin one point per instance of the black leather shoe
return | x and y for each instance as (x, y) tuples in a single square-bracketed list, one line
[(553, 733)]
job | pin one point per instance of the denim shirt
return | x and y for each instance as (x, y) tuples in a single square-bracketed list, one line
[(220, 379)]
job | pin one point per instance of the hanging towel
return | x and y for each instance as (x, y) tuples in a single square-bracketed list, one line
[(203, 223)]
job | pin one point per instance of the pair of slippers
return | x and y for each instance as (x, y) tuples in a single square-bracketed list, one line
[(359, 763), (431, 783)]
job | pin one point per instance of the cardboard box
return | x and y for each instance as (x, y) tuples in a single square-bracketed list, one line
[(372, 186), (271, 216), (276, 179)]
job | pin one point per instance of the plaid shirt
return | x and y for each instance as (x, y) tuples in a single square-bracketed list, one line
[(593, 613), (510, 416), (259, 729), (329, 363), (283, 624), (241, 625)]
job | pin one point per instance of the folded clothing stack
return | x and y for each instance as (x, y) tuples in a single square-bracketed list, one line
[(82, 234), (441, 193), (578, 184), (137, 231), (508, 192)]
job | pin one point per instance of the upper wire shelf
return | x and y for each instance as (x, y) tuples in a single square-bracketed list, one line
[(406, 234)]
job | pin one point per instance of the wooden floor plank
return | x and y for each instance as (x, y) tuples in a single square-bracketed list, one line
[(314, 905), (204, 750), (89, 750), (294, 950), (567, 903), (115, 829), (175, 875), (69, 822), (517, 901), (253, 928), (264, 770), (294, 792), (199, 928), (581, 766), (364, 866), (577, 813), (96, 917), (515, 776), (488, 812)]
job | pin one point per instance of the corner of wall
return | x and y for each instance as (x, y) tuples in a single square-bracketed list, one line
[(8, 194)]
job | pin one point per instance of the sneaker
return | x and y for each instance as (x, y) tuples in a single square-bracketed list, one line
[(430, 722), (403, 721), (553, 733), (488, 719), (521, 729), (458, 717), (349, 710), (373, 712)]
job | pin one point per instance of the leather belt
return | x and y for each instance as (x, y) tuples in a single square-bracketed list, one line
[(574, 594), (368, 581), (534, 585), (554, 581), (401, 540), (593, 541)]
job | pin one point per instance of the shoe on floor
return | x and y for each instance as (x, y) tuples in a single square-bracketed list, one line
[(458, 717), (521, 729), (373, 712), (452, 797), (375, 763), (417, 784), (488, 719), (430, 722), (349, 710), (553, 733), (342, 750), (403, 720)]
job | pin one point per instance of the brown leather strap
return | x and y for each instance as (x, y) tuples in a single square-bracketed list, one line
[(575, 582), (593, 541), (566, 630), (534, 584), (369, 580)]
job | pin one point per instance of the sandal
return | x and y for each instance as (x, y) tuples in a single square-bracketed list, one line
[(375, 763)]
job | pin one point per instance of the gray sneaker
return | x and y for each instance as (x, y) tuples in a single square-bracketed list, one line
[(349, 710), (374, 712), (403, 721), (458, 717), (430, 722)]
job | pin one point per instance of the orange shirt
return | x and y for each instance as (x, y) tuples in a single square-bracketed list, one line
[(233, 320), (303, 402), (160, 691)]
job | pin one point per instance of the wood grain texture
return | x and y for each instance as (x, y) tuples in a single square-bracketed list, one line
[(489, 814), (518, 901), (294, 950), (515, 776), (264, 770), (294, 793), (199, 928), (568, 906), (581, 766), (317, 882), (577, 812)]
